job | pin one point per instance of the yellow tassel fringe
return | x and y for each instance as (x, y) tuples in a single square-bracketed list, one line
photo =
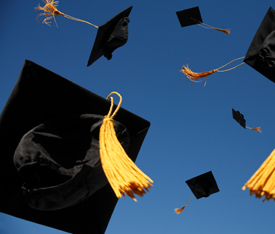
[(262, 183), (122, 173)]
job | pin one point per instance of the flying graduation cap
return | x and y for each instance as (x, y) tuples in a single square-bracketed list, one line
[(241, 120), (51, 166), (110, 36), (192, 16), (261, 53), (201, 186)]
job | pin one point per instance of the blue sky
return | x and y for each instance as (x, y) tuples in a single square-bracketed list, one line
[(192, 130)]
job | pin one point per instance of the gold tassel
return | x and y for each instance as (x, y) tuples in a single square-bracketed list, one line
[(50, 11), (179, 210), (195, 77), (226, 31), (122, 173), (262, 183)]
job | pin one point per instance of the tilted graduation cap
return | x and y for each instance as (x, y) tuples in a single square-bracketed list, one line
[(46, 117), (201, 186), (261, 52), (239, 117), (189, 16), (110, 36), (192, 16), (241, 120)]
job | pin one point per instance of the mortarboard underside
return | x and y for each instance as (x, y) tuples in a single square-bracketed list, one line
[(38, 96)]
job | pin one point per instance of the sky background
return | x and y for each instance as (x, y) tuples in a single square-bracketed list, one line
[(192, 130)]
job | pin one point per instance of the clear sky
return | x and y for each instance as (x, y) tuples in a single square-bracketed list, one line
[(192, 130)]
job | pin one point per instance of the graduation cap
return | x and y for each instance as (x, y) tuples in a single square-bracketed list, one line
[(192, 16), (110, 36), (239, 117), (189, 16), (201, 186), (59, 117), (261, 53), (241, 120)]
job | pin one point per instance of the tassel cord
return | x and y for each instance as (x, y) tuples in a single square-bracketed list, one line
[(203, 25), (80, 20), (189, 199), (112, 104), (218, 69)]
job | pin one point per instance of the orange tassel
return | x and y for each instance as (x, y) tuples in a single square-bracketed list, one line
[(226, 31), (195, 77), (179, 210), (50, 12), (255, 129)]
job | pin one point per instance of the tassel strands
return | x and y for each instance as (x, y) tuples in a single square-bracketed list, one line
[(262, 183), (51, 11), (122, 173), (196, 77)]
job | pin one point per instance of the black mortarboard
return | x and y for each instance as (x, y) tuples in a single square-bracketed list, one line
[(189, 16), (239, 117), (203, 185), (110, 36), (42, 109), (261, 52)]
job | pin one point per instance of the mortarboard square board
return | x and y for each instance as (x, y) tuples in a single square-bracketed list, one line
[(203, 185), (261, 52), (189, 16), (110, 36), (65, 109), (239, 117)]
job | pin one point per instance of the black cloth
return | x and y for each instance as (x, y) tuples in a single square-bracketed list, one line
[(59, 161), (38, 96), (261, 52)]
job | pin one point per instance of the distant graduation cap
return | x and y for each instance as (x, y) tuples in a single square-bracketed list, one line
[(51, 167), (261, 52), (241, 120), (192, 16), (201, 186), (110, 36)]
